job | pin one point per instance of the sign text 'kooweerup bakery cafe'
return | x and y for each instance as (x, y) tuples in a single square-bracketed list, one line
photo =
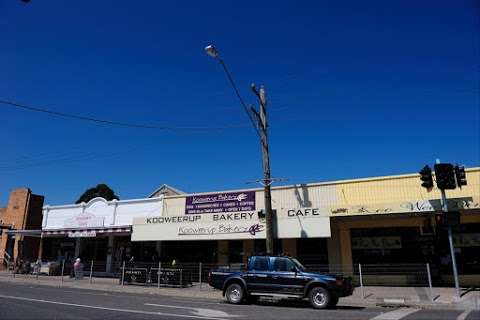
[(226, 216)]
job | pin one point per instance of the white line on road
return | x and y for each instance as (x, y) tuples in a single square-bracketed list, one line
[(198, 302), (108, 309), (202, 312), (463, 315), (395, 314)]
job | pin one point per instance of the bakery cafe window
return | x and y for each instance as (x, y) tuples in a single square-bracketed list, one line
[(386, 245)]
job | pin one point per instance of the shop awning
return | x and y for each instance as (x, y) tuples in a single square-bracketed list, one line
[(87, 232), (27, 233)]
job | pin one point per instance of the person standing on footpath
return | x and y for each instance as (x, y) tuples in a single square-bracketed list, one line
[(78, 269)]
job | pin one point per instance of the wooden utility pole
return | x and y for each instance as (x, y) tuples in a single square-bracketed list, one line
[(267, 181)]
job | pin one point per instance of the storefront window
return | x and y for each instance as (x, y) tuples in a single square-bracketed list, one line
[(387, 246), (466, 239), (57, 249), (190, 251), (312, 251)]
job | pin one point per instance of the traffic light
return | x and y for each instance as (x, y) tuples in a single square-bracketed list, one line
[(460, 176), (426, 177), (445, 176)]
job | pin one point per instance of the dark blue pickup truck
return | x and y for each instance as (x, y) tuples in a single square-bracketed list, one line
[(279, 276)]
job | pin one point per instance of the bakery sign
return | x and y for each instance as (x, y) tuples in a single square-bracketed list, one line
[(236, 225), (220, 202), (292, 223)]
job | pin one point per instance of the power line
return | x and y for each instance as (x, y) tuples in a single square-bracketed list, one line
[(62, 160), (237, 92), (111, 122)]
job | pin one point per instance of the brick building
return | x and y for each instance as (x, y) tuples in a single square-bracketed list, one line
[(23, 212)]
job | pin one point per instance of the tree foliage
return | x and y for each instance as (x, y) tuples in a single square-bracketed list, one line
[(101, 190)]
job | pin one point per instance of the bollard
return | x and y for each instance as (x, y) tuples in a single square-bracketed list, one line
[(361, 280), (200, 275), (123, 272), (91, 271), (63, 268), (159, 274), (181, 277), (430, 282)]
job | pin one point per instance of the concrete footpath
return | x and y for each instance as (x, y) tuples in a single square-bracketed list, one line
[(418, 297)]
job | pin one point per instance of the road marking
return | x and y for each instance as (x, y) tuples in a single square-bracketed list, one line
[(198, 302), (202, 312), (463, 315), (395, 314), (109, 309)]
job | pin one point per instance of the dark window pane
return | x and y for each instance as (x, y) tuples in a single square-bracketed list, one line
[(283, 264), (261, 264)]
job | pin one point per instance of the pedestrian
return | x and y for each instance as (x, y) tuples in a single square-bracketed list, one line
[(78, 269)]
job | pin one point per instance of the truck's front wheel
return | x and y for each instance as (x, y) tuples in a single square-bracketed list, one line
[(235, 293), (319, 297)]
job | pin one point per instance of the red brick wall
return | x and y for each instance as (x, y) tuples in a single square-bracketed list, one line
[(24, 211)]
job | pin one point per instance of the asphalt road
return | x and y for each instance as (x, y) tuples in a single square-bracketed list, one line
[(22, 301)]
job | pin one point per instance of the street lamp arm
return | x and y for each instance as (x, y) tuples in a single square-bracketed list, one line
[(237, 92)]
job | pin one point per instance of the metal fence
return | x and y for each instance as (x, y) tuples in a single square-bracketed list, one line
[(195, 274)]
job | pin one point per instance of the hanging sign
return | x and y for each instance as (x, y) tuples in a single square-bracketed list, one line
[(82, 234)]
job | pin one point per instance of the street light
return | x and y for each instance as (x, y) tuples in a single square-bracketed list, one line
[(260, 126), (211, 51)]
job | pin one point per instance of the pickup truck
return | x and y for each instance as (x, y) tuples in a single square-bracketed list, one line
[(279, 276)]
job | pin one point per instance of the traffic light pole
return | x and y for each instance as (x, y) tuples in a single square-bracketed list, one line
[(450, 241)]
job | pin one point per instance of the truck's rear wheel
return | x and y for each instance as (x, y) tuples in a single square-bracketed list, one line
[(235, 293), (319, 297)]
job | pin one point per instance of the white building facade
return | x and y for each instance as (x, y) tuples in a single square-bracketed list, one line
[(99, 230)]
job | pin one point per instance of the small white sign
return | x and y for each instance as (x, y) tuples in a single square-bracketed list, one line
[(82, 234)]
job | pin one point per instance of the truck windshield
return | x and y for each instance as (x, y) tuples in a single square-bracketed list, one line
[(298, 264)]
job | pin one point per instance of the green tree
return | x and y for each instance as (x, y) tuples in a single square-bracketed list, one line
[(101, 190)]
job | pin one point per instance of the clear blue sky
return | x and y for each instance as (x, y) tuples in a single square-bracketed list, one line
[(356, 89)]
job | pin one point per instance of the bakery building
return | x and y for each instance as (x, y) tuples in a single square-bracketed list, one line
[(382, 220), (388, 220)]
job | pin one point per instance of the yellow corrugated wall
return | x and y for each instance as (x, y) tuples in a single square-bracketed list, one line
[(399, 188)]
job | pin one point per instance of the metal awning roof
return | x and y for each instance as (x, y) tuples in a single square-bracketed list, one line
[(27, 233), (124, 229)]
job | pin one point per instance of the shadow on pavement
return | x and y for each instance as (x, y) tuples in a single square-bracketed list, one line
[(468, 291), (298, 304)]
